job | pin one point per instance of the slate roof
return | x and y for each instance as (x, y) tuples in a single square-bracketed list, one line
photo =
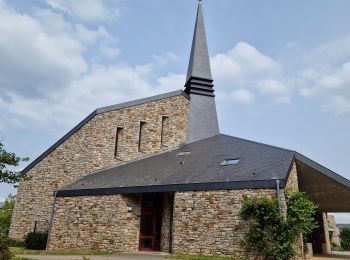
[(100, 111), (199, 168)]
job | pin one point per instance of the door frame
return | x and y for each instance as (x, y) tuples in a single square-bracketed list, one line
[(156, 214)]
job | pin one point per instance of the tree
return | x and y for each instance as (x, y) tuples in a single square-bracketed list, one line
[(6, 214), (345, 238), (10, 159)]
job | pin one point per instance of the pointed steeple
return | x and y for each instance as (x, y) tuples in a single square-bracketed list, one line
[(199, 79), (203, 120)]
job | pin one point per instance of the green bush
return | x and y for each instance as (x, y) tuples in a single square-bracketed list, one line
[(16, 242), (270, 233), (335, 247), (345, 238), (5, 253), (36, 240)]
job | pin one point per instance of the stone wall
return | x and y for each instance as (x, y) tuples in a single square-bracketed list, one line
[(92, 148), (334, 232), (209, 222), (97, 222)]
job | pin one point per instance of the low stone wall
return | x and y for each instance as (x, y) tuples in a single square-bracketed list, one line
[(209, 222), (97, 222)]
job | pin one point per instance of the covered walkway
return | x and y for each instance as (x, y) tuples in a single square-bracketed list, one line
[(331, 193)]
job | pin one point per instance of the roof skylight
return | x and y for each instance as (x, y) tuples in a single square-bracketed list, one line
[(230, 162)]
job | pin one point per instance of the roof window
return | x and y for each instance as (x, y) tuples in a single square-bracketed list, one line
[(183, 153), (230, 162)]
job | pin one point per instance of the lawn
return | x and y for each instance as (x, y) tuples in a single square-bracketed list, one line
[(23, 251), (19, 258)]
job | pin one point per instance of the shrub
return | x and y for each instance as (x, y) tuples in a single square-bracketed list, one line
[(345, 238), (5, 253), (270, 233), (36, 240), (335, 247), (16, 242)]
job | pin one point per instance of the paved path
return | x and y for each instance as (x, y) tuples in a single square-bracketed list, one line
[(333, 256), (143, 256)]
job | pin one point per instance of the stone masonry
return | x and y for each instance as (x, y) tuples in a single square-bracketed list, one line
[(97, 222), (204, 222), (209, 222), (92, 148)]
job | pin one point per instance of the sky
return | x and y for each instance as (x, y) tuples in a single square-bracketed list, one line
[(281, 68)]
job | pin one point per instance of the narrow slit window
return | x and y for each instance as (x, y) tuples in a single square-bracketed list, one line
[(141, 135), (117, 141), (164, 129)]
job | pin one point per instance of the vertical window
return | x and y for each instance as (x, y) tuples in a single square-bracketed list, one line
[(164, 130), (141, 135), (117, 141)]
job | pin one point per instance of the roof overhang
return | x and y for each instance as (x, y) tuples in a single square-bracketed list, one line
[(237, 185), (330, 191)]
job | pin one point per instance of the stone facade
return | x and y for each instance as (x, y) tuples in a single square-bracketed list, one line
[(92, 148), (97, 222), (197, 223), (209, 222), (334, 232)]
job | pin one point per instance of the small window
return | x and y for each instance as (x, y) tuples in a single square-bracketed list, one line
[(117, 141), (230, 162), (164, 130), (183, 153), (141, 135)]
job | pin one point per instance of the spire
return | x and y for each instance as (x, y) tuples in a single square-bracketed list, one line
[(199, 79), (203, 120)]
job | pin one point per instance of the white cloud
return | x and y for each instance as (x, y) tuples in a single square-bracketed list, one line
[(242, 96), (338, 105), (275, 90), (109, 52), (325, 74), (86, 10), (244, 72), (32, 60), (240, 64)]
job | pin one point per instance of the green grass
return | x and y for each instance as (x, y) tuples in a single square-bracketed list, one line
[(192, 257), (23, 251), (19, 258)]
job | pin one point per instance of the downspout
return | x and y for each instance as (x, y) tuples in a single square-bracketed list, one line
[(51, 219), (278, 194)]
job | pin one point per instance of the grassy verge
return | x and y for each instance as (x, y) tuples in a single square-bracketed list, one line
[(19, 258), (23, 251), (192, 257)]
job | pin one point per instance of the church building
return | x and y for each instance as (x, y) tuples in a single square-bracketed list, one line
[(155, 174)]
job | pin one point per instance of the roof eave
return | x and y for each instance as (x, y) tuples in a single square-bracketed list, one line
[(237, 185)]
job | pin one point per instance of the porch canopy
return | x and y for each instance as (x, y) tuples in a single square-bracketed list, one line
[(330, 191)]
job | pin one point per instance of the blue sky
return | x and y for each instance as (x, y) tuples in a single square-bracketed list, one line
[(281, 68)]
